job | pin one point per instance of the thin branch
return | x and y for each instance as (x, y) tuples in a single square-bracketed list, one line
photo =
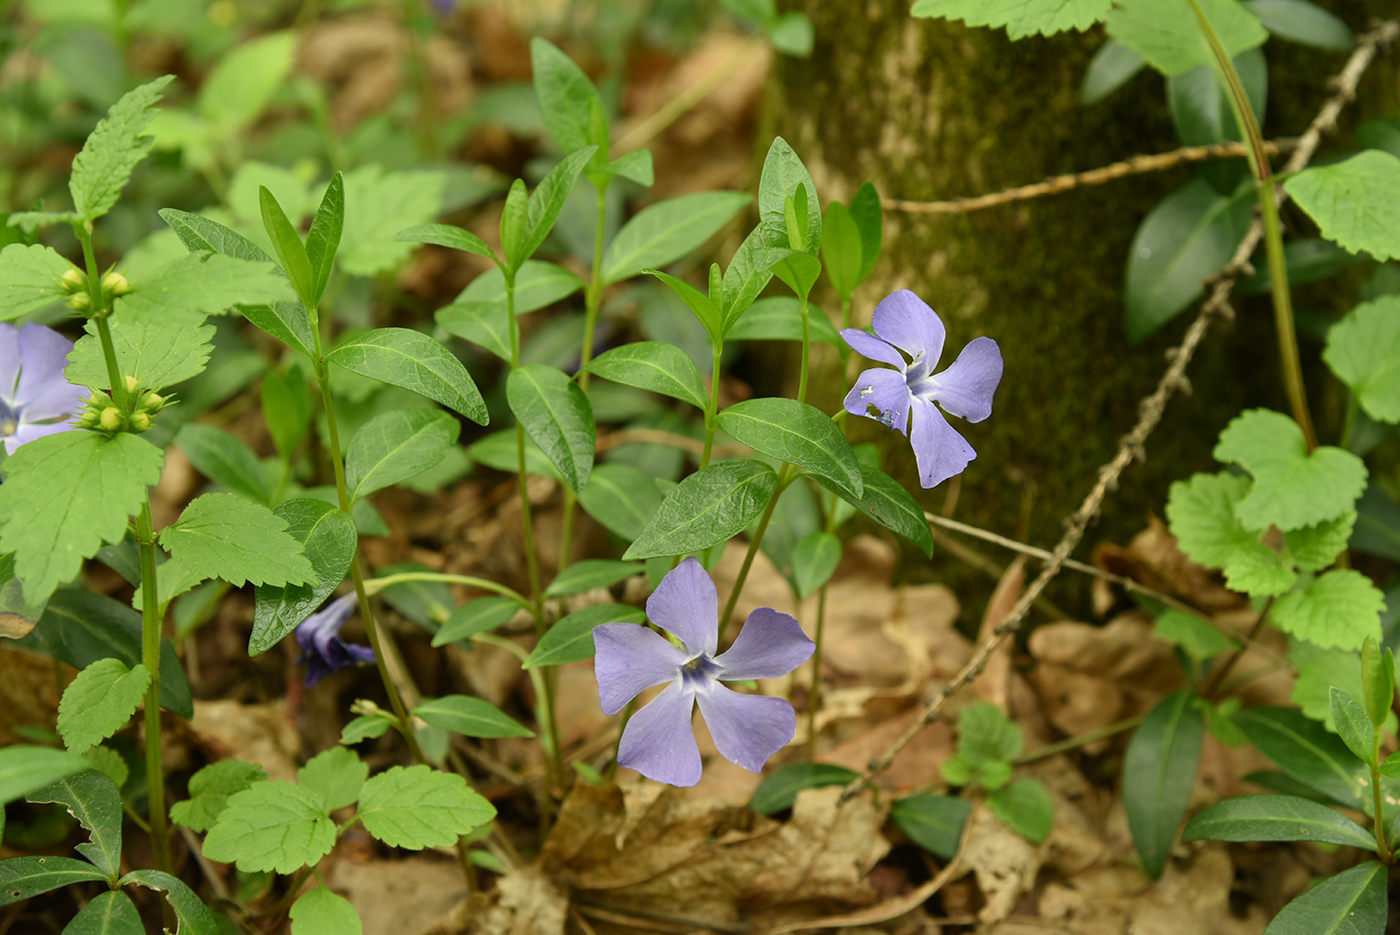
[(1133, 165), (1151, 408)]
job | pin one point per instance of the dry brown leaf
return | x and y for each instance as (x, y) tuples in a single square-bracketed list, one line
[(254, 733), (405, 895), (523, 902), (1005, 864), (1152, 557)]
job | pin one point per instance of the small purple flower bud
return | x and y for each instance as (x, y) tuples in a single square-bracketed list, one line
[(322, 649)]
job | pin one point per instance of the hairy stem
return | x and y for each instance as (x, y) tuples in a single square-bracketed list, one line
[(150, 658), (783, 477)]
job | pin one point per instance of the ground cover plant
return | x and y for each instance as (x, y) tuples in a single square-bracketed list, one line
[(417, 458)]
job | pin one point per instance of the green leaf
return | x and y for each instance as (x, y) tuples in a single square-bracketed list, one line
[(1354, 726), (791, 34), (590, 574), (934, 822), (869, 218), (1307, 259), (668, 230), (470, 717), (779, 318), (1339, 608), (1377, 680), (1291, 487), (1352, 202), (571, 639), (378, 204), (796, 433), (209, 791), (569, 104), (1158, 772), (622, 498), (652, 365), (323, 239), (24, 769), (1201, 514), (779, 789), (31, 277), (93, 800), (1318, 670), (541, 209), (418, 807), (813, 560), (99, 702), (66, 494), (414, 361), (195, 286), (109, 763), (445, 235), (157, 353), (783, 174), (706, 312), (335, 775), (222, 535), (1167, 34), (287, 244), (986, 735), (841, 249), (277, 826), (1197, 638), (328, 537), (109, 913), (744, 279), (498, 451), (636, 167), (193, 916), (112, 150), (224, 459), (1313, 548), (1112, 66), (396, 445), (81, 627), (1306, 751), (1276, 818), (365, 727), (1302, 22), (473, 617), (1200, 104), (1363, 350), (556, 414), (244, 81), (1186, 238), (321, 912), (23, 877), (797, 270), (286, 321), (1025, 807), (1020, 17), (1377, 523), (706, 508), (887, 502), (286, 405), (202, 235), (1351, 903)]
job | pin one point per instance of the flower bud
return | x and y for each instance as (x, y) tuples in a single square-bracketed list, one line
[(116, 283), (153, 402), (111, 419), (80, 301), (140, 422), (131, 383), (74, 280)]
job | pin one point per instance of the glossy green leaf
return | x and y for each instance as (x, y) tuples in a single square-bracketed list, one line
[(1159, 770), (668, 230), (410, 359), (93, 800), (396, 445), (112, 150), (193, 916), (797, 270), (590, 574), (109, 913), (1021, 18), (779, 318), (445, 235), (323, 239), (475, 616), (417, 807), (1168, 35), (23, 877), (1352, 202), (1112, 66), (209, 790), (221, 535), (744, 278), (622, 498), (545, 203), (1351, 903), (783, 173), (328, 537), (1276, 818), (707, 508), (1200, 103), (841, 249), (887, 502), (224, 459), (286, 243), (706, 312), (470, 717), (1306, 751), (25, 769), (571, 639), (813, 561), (277, 826), (99, 702), (796, 433), (779, 789), (568, 102), (934, 822), (1302, 22), (1353, 724), (556, 414)]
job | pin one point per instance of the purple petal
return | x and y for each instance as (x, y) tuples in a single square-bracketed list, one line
[(938, 448), (906, 321), (887, 392), (748, 729), (687, 604), (315, 632), (9, 363), (966, 388), (631, 659), (867, 345), (658, 741), (771, 644), (27, 433), (43, 393)]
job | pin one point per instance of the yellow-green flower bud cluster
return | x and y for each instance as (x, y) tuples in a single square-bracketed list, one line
[(75, 283), (104, 415)]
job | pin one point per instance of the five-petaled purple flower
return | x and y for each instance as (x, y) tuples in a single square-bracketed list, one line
[(903, 322), (322, 649), (658, 741), (35, 399)]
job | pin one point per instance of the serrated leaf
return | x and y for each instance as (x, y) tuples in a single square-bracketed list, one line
[(335, 775), (93, 800), (796, 433), (622, 498), (652, 365), (1291, 487), (1276, 818), (1352, 202), (887, 502), (31, 277), (109, 763), (1201, 514), (779, 789), (417, 807), (109, 913), (193, 916), (779, 318), (157, 353), (1352, 902), (97, 703), (1313, 548), (202, 235), (113, 149), (668, 230), (1025, 807), (706, 508), (224, 459), (1363, 350), (556, 414), (379, 203), (209, 790), (195, 286), (271, 826), (66, 494), (1307, 752), (571, 639), (328, 537), (396, 445), (321, 912), (1339, 608), (414, 361), (23, 877), (985, 734), (1158, 772), (1167, 34), (221, 535), (470, 717), (1020, 17)]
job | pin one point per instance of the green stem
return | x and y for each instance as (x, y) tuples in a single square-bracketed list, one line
[(783, 477), (712, 410), (814, 696), (1273, 233), (150, 658), (100, 311), (1074, 743), (806, 346), (1350, 423), (375, 585), (1377, 820)]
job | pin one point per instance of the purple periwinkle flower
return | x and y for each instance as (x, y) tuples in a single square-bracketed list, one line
[(35, 399), (658, 741), (322, 649), (903, 322)]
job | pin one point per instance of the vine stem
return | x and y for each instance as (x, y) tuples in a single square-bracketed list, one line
[(806, 346), (783, 477), (712, 410), (375, 585), (1258, 158), (1377, 820), (150, 658)]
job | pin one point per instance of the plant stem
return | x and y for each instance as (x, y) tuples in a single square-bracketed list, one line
[(150, 658), (814, 695), (375, 585), (712, 410), (100, 312), (806, 345), (1273, 234), (783, 477), (1074, 743), (1377, 819)]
